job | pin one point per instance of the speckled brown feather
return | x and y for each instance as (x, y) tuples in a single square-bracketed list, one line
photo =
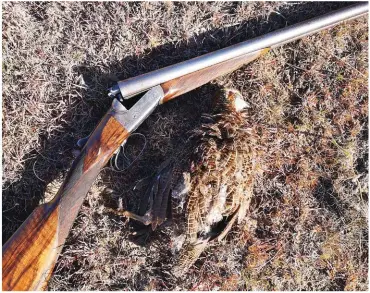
[(221, 182), (220, 158)]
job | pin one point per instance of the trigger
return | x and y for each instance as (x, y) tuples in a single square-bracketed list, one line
[(82, 141), (117, 151)]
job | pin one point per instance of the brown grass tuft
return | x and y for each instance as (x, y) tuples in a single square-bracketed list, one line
[(308, 222)]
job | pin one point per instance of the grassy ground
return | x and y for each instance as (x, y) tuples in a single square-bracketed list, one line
[(307, 227)]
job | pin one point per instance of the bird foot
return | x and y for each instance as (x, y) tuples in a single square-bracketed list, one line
[(146, 219)]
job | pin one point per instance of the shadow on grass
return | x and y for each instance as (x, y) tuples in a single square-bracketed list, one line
[(56, 155), (327, 197)]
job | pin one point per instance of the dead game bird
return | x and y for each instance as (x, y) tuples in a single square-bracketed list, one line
[(209, 182), (224, 167)]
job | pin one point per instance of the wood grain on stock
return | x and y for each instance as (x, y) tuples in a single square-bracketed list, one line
[(30, 254), (186, 83)]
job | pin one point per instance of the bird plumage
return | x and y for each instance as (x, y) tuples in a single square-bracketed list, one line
[(209, 181), (224, 166)]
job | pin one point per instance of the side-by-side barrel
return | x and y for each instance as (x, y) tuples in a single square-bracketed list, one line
[(133, 86)]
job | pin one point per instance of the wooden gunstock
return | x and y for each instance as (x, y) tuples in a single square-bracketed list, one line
[(186, 83), (30, 254)]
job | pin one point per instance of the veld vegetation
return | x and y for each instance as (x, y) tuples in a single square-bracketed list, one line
[(307, 228)]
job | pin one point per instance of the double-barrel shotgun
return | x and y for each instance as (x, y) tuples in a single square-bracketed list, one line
[(30, 254)]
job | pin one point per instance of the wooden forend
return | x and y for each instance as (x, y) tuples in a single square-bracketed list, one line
[(186, 83)]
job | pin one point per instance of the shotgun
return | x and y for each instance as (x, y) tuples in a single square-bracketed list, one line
[(30, 254)]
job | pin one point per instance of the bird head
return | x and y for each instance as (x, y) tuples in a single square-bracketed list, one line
[(230, 100)]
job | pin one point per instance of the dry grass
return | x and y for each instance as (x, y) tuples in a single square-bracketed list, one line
[(307, 227)]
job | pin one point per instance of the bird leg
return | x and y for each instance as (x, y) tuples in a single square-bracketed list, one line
[(154, 202), (146, 219)]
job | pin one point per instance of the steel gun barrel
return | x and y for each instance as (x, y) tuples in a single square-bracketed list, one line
[(30, 254), (133, 86)]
